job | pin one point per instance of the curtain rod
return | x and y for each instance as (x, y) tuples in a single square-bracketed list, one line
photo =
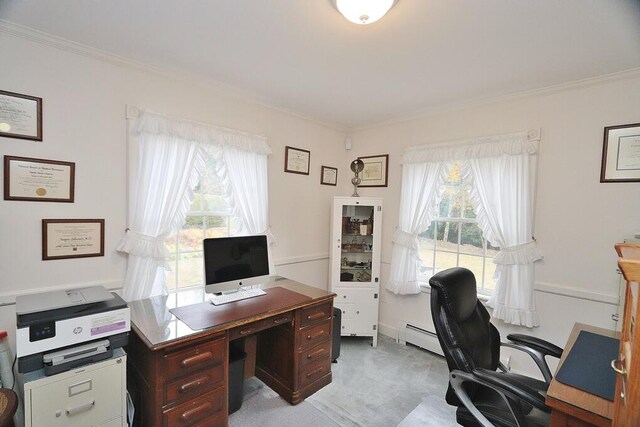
[(532, 135), (133, 112)]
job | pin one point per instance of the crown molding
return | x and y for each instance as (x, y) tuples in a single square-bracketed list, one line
[(50, 40), (483, 101)]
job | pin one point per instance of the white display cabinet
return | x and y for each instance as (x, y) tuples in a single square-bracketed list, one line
[(356, 226)]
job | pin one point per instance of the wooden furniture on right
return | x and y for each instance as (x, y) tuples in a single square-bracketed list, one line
[(627, 397), (572, 407)]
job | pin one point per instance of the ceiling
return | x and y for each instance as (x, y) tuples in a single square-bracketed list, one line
[(304, 57)]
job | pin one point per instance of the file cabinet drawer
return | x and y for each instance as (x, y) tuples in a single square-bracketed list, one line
[(194, 385), (312, 355)]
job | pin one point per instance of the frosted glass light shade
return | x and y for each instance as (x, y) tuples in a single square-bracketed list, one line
[(364, 11)]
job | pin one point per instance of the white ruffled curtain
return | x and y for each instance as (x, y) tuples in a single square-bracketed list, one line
[(503, 195), (170, 160), (503, 171), (420, 184)]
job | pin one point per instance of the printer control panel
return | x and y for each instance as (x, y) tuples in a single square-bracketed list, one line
[(42, 331)]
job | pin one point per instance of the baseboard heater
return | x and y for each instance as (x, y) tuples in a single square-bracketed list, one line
[(422, 338)]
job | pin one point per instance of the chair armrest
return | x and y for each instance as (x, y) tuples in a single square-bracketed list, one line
[(537, 349), (457, 378), (541, 345), (517, 388)]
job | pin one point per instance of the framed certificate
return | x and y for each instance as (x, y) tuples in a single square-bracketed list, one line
[(621, 154), (72, 238), (375, 171), (328, 175), (20, 116), (38, 180), (296, 160)]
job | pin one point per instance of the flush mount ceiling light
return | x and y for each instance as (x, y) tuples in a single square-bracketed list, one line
[(364, 12)]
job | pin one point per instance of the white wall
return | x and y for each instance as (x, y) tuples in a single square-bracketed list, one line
[(578, 219), (84, 101)]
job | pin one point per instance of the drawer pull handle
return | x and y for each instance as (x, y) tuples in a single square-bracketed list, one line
[(194, 360), (186, 387), (81, 408), (196, 412), (314, 316), (316, 335), (315, 353), (315, 372), (246, 331), (280, 320)]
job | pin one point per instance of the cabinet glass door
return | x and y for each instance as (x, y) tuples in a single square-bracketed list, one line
[(357, 243)]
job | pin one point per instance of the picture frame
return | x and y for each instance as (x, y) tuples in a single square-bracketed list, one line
[(38, 180), (328, 175), (296, 160), (20, 116), (375, 172), (621, 154), (72, 238)]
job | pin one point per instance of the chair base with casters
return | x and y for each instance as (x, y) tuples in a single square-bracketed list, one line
[(471, 344)]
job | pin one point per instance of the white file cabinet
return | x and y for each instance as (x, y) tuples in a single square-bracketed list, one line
[(91, 395)]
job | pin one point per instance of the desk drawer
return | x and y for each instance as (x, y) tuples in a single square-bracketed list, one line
[(313, 335), (208, 410), (315, 314), (260, 325), (315, 354), (313, 372), (194, 385), (191, 360)]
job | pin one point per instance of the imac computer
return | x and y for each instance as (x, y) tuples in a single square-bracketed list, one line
[(232, 265)]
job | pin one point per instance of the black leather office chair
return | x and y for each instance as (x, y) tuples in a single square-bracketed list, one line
[(471, 345)]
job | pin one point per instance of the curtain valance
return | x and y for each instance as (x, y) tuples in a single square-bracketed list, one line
[(493, 146), (156, 124)]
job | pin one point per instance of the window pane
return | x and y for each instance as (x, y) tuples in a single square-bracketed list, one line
[(236, 227), (445, 260), (471, 241), (216, 226), (171, 275), (191, 235), (468, 206), (489, 271), (190, 269), (447, 238), (473, 263), (215, 203)]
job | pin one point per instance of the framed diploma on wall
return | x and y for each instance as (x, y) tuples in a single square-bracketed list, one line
[(20, 116), (38, 180), (621, 154), (296, 160), (328, 175), (72, 238), (376, 169)]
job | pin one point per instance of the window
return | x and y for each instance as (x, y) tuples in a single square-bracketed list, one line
[(208, 216), (454, 238)]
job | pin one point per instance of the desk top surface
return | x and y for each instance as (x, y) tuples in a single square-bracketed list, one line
[(560, 394), (152, 319)]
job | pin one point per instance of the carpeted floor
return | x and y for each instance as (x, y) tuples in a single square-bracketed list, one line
[(390, 385)]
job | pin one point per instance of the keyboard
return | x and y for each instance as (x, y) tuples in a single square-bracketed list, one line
[(236, 296)]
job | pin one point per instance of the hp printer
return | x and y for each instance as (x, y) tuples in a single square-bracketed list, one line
[(61, 330)]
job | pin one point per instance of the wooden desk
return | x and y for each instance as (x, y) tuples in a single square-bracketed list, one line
[(574, 407), (179, 377)]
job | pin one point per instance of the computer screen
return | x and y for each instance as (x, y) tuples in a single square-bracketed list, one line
[(234, 262)]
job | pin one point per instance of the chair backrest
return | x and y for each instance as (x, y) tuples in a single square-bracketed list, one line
[(467, 337)]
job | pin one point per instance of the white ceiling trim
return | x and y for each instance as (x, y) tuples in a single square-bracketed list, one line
[(46, 39)]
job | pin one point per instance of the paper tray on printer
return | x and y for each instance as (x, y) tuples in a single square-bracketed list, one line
[(63, 360)]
